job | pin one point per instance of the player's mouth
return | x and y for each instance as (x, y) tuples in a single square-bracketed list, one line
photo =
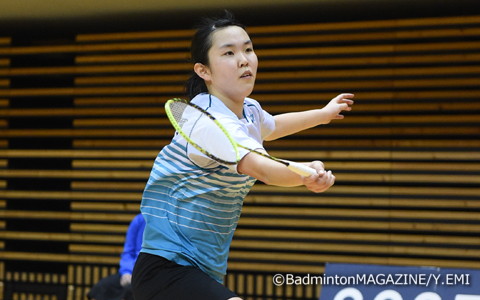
[(246, 74)]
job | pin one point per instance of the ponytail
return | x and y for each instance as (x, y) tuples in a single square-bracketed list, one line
[(195, 85)]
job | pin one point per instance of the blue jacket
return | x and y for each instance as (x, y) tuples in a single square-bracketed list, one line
[(133, 245)]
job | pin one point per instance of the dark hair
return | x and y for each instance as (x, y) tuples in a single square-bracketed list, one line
[(201, 44)]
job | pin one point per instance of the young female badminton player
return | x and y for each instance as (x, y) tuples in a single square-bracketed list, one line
[(192, 203)]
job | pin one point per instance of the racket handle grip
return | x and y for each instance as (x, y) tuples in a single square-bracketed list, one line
[(301, 169)]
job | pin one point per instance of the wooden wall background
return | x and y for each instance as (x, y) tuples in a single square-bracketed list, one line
[(82, 120)]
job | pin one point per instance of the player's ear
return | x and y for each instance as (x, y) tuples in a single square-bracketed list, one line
[(202, 71)]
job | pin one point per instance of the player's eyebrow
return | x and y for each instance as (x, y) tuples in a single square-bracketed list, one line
[(247, 42)]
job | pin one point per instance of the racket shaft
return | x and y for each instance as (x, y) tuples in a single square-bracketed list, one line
[(301, 169), (298, 168)]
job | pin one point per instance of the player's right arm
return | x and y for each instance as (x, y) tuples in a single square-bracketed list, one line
[(274, 173)]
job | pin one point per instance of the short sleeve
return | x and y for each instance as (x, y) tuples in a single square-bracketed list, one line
[(268, 124)]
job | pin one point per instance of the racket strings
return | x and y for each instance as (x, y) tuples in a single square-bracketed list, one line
[(203, 132)]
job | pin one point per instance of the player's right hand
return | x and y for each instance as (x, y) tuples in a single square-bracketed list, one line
[(322, 181)]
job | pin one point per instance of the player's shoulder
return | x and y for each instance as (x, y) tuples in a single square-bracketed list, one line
[(213, 105), (201, 100), (252, 106), (251, 102), (208, 102)]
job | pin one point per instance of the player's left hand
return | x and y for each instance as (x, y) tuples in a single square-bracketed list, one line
[(338, 104)]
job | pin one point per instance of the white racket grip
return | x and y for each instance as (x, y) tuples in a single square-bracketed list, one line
[(301, 169)]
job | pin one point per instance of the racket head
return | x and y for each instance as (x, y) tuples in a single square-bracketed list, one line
[(202, 131)]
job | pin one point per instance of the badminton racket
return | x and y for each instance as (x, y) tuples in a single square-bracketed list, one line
[(206, 134)]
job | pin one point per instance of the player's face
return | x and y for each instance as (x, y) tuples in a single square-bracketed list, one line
[(232, 64)]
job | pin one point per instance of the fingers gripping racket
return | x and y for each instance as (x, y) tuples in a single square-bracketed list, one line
[(195, 125)]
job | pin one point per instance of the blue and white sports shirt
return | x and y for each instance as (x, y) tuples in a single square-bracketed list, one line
[(191, 206)]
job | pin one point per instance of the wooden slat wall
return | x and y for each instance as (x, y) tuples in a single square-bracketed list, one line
[(4, 83), (407, 158)]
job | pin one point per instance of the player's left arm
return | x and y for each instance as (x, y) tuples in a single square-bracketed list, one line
[(293, 122)]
